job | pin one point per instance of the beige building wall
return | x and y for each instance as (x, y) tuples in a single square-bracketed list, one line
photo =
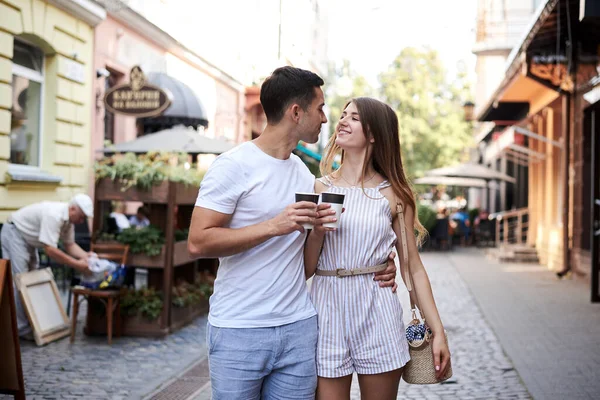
[(499, 26), (67, 44)]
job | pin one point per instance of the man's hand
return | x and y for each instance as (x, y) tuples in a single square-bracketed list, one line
[(325, 214), (82, 267), (387, 277), (292, 218)]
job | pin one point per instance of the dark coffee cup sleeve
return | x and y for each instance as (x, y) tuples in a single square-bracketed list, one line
[(334, 198)]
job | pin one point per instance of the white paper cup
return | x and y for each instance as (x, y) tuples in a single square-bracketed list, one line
[(336, 200), (314, 197)]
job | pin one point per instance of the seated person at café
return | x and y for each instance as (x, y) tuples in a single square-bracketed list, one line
[(119, 215), (464, 225), (140, 219)]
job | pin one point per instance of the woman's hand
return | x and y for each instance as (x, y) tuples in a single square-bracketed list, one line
[(325, 214), (441, 355)]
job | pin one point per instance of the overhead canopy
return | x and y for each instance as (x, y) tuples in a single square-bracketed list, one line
[(185, 109), (470, 170), (175, 140), (451, 181), (511, 144), (506, 111), (539, 64)]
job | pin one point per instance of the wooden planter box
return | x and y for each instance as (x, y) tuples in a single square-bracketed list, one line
[(144, 261), (108, 190), (181, 316), (168, 195), (180, 257), (186, 195), (180, 254), (131, 325), (137, 325)]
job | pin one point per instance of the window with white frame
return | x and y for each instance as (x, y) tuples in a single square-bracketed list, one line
[(25, 122)]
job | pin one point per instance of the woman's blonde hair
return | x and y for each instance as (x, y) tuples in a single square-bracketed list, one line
[(380, 122)]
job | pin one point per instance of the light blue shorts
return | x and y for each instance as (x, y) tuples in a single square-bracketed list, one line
[(263, 363)]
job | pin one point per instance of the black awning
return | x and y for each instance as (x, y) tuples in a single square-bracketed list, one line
[(186, 109), (505, 111)]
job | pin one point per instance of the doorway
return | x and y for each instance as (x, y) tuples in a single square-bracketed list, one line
[(591, 126)]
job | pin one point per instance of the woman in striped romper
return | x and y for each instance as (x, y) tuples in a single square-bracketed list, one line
[(360, 324)]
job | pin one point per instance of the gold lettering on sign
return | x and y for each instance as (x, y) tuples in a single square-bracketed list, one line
[(137, 98)]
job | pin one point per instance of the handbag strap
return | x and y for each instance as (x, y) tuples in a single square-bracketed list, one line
[(408, 280)]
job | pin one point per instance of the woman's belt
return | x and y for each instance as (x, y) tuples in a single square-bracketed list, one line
[(340, 272)]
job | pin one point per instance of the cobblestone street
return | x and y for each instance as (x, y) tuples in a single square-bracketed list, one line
[(464, 284), (481, 369), (90, 369)]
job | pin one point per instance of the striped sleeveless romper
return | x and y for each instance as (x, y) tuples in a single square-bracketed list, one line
[(360, 324)]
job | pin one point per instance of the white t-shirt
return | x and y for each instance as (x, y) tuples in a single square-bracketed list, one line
[(121, 220), (44, 223), (264, 286)]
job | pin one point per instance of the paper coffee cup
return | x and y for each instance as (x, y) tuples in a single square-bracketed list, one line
[(313, 197), (336, 200)]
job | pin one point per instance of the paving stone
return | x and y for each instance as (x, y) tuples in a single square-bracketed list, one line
[(134, 367), (563, 362), (90, 369), (478, 360)]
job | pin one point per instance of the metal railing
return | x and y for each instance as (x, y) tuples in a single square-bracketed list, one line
[(511, 226)]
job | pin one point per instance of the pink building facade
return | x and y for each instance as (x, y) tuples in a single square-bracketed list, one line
[(126, 39)]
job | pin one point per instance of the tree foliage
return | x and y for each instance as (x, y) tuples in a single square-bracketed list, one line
[(433, 131)]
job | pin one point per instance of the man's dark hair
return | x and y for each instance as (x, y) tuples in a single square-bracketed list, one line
[(144, 211), (285, 86)]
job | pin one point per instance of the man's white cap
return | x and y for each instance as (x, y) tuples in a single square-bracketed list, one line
[(84, 202)]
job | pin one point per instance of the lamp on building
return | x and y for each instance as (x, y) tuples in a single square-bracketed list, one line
[(102, 73), (468, 108)]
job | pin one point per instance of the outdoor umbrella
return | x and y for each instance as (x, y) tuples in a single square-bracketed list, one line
[(177, 139), (451, 181), (470, 170)]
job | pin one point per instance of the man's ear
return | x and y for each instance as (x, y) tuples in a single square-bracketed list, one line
[(295, 112)]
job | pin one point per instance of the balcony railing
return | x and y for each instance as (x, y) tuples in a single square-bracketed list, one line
[(506, 28), (511, 226)]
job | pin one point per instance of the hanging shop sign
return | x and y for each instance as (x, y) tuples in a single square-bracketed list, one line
[(137, 98)]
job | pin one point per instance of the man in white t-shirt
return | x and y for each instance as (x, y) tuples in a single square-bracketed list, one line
[(41, 226), (262, 329)]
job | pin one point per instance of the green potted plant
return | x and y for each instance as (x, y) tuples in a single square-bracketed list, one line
[(148, 240), (140, 310)]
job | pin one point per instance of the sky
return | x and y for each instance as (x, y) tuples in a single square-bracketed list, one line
[(371, 33)]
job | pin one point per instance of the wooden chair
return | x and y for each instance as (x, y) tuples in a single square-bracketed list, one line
[(110, 298)]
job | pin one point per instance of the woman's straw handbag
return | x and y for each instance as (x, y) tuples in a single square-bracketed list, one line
[(420, 369)]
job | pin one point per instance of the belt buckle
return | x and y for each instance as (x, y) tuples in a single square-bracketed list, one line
[(337, 272)]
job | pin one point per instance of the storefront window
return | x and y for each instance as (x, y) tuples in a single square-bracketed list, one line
[(25, 124)]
